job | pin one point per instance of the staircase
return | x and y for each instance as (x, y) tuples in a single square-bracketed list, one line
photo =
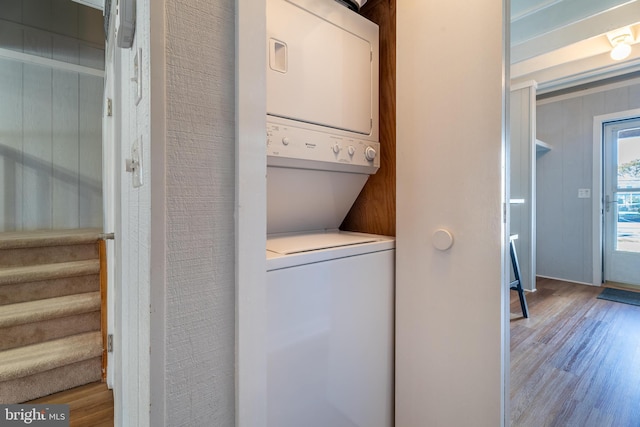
[(50, 312)]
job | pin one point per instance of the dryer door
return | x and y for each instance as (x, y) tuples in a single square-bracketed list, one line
[(322, 65)]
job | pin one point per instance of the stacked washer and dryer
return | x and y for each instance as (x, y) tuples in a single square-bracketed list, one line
[(330, 293)]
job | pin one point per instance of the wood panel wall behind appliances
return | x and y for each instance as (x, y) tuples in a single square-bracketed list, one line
[(375, 209)]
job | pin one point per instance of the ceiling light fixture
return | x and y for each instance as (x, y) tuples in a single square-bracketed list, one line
[(621, 41)]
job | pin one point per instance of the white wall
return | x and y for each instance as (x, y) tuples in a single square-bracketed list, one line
[(451, 306), (564, 222), (50, 127)]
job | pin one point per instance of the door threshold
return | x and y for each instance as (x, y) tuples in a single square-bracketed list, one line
[(623, 286)]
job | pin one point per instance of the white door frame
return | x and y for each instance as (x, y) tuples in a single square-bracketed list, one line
[(596, 200), (251, 214), (109, 185)]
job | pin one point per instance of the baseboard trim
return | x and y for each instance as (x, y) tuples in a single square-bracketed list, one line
[(565, 280)]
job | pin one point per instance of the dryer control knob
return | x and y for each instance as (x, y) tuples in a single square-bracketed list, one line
[(285, 141), (351, 150), (370, 153), (336, 148)]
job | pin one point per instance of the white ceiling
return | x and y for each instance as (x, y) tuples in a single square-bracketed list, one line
[(561, 43)]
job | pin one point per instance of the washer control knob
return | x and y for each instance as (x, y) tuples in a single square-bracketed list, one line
[(285, 141), (351, 150), (370, 153), (336, 148)]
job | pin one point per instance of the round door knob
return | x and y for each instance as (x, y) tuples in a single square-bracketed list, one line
[(442, 239), (336, 148), (370, 153), (351, 150)]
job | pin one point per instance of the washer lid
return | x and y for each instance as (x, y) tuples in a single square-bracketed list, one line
[(297, 243)]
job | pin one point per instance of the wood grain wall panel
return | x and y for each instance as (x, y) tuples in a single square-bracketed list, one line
[(10, 145), (64, 17), (91, 56), (375, 210), (592, 106), (549, 177), (90, 151), (37, 42), (574, 142), (65, 184), (37, 149), (37, 13), (616, 99), (11, 10), (66, 49), (90, 26), (42, 157), (11, 36)]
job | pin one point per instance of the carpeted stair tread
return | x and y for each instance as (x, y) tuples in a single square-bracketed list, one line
[(33, 273), (39, 238), (48, 254), (47, 309), (36, 358), (54, 380)]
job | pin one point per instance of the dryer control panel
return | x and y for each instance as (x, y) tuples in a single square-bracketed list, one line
[(290, 142)]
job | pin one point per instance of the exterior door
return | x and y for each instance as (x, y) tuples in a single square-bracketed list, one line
[(622, 201)]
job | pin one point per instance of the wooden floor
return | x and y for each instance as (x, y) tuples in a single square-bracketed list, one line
[(576, 360), (89, 406)]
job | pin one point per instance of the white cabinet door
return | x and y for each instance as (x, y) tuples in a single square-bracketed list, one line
[(450, 305)]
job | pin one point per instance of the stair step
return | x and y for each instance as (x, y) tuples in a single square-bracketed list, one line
[(23, 292), (23, 389), (33, 333), (39, 238), (59, 270), (37, 358), (17, 257), (47, 309)]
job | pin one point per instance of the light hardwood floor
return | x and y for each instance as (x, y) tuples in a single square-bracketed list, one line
[(576, 360), (90, 405)]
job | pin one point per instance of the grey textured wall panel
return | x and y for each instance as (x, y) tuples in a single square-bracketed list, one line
[(200, 156), (564, 222)]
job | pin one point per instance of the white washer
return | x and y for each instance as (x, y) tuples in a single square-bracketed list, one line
[(330, 330)]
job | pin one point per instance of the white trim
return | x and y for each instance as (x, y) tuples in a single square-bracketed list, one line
[(158, 243), (596, 202), (594, 74), (96, 4), (27, 58), (251, 215), (533, 156), (109, 203), (522, 85), (566, 280), (597, 89), (598, 122)]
